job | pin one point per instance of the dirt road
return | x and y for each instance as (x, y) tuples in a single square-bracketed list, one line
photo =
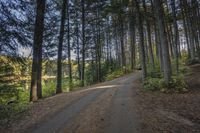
[(117, 106), (106, 108)]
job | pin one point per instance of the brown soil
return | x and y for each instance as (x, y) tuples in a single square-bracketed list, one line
[(172, 113), (117, 106)]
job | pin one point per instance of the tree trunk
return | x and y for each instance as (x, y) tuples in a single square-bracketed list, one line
[(68, 44), (164, 45), (184, 4), (78, 52), (132, 39), (123, 57), (116, 44), (142, 51), (77, 42), (145, 42), (39, 82), (185, 31), (83, 43), (37, 51), (169, 32), (60, 48), (149, 36), (176, 35)]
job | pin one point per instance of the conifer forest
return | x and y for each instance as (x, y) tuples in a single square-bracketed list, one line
[(100, 66)]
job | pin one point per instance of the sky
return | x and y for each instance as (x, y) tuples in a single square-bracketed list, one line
[(25, 52)]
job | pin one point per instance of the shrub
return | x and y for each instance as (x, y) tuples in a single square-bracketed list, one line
[(48, 88), (115, 74), (154, 72), (12, 110), (13, 101), (184, 70), (153, 84), (7, 93), (177, 84)]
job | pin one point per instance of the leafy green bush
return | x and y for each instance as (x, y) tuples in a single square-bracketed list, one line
[(12, 110), (75, 84), (183, 69), (7, 93), (177, 84), (115, 74), (154, 72), (153, 84), (13, 102), (48, 88)]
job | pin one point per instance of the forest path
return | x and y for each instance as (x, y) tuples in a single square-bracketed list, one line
[(106, 108), (117, 106)]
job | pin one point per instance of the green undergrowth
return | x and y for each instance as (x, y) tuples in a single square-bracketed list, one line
[(12, 103), (12, 111), (177, 85), (155, 80), (117, 73), (14, 99)]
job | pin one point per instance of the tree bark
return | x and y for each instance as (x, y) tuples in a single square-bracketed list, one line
[(149, 36), (185, 30), (68, 44), (123, 57), (164, 43), (184, 4), (176, 32), (142, 49), (77, 40), (132, 38), (37, 51), (60, 48), (83, 43)]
